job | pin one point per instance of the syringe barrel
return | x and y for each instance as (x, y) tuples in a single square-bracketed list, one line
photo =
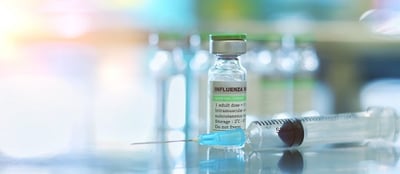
[(375, 123)]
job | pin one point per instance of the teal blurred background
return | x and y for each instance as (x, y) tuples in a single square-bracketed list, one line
[(74, 75)]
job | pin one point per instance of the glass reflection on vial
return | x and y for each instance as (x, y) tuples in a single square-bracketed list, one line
[(223, 161)]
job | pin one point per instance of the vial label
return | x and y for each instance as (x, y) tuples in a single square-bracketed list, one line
[(227, 105)]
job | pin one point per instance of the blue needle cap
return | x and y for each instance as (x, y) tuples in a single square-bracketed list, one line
[(228, 138)]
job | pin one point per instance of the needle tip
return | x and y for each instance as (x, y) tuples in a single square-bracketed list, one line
[(162, 142)]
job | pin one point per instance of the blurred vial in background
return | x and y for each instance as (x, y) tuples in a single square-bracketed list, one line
[(199, 65), (282, 76), (254, 45), (287, 61), (271, 81), (191, 46), (304, 82), (167, 67), (309, 94), (265, 97)]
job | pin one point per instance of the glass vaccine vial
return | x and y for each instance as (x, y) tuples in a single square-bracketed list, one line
[(227, 83)]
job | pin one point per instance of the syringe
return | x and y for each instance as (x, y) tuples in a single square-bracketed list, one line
[(375, 123)]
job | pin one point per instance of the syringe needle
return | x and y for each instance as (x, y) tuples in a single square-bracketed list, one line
[(233, 137), (161, 142)]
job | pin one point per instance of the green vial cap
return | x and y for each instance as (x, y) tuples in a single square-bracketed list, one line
[(220, 37), (227, 44)]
